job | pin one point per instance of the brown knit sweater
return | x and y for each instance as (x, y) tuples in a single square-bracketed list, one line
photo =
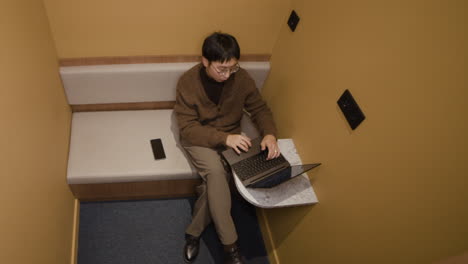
[(203, 123)]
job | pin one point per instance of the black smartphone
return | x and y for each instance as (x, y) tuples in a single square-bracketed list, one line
[(158, 149)]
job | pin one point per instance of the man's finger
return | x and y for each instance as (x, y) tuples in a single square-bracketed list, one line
[(270, 154), (248, 142), (243, 147), (277, 153), (236, 150), (245, 144)]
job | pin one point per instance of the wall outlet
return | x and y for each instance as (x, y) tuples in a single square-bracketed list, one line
[(350, 109), (293, 20)]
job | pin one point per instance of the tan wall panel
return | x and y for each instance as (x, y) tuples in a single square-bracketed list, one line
[(36, 222), (393, 190), (90, 28)]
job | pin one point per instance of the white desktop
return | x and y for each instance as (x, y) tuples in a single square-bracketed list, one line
[(295, 192)]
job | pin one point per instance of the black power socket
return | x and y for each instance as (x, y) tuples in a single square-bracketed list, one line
[(350, 109), (293, 20)]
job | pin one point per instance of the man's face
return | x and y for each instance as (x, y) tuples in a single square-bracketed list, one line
[(220, 71)]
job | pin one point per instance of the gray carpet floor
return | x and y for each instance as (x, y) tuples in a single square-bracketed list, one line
[(152, 231)]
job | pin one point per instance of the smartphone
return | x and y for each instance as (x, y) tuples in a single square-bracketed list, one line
[(158, 149)]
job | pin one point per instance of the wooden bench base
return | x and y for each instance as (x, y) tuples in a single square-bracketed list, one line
[(135, 190)]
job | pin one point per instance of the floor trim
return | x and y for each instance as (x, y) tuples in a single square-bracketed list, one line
[(135, 190), (75, 230), (268, 238)]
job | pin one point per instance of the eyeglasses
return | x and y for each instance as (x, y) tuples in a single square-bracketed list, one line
[(225, 71)]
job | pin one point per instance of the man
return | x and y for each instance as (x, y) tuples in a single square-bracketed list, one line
[(210, 101)]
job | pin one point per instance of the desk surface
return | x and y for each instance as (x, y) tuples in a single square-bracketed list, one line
[(295, 192)]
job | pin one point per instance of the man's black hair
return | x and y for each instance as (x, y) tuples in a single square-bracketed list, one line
[(220, 47)]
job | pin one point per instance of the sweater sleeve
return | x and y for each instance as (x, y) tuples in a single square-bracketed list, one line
[(190, 127), (259, 111)]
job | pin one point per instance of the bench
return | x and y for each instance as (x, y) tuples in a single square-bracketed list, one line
[(117, 110)]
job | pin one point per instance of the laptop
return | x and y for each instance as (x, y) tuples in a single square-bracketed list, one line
[(254, 171)]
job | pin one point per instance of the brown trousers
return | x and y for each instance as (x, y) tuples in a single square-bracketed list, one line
[(214, 196)]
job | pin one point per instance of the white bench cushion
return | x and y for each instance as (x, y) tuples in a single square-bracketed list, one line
[(122, 83), (114, 146)]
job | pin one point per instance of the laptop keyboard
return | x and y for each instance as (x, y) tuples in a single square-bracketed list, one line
[(252, 166)]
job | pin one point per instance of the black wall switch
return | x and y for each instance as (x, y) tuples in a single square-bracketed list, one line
[(350, 109), (293, 20)]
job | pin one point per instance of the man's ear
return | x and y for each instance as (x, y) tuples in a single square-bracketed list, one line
[(205, 62)]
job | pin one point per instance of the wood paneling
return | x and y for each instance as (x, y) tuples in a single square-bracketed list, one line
[(148, 59), (135, 190), (123, 106)]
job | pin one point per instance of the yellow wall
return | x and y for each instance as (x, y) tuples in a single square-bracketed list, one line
[(37, 208), (393, 190), (89, 28)]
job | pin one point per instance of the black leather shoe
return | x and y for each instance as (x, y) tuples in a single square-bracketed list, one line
[(233, 256), (192, 245)]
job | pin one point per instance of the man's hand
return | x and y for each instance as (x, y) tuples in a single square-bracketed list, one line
[(269, 141), (238, 143)]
